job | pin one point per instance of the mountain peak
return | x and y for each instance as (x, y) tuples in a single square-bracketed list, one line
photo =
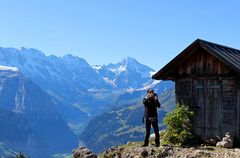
[(73, 58), (97, 67), (129, 60), (31, 52)]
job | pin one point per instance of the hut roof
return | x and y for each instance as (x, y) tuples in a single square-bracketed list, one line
[(229, 56)]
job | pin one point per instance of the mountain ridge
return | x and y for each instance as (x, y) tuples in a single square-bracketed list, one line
[(75, 86), (78, 91)]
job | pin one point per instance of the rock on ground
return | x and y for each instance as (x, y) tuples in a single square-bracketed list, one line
[(227, 141), (83, 152), (134, 150)]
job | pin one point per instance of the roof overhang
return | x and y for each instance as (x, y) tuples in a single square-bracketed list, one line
[(166, 73)]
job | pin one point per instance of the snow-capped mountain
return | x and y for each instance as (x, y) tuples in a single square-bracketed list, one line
[(67, 79), (56, 74), (79, 90), (127, 74), (57, 70)]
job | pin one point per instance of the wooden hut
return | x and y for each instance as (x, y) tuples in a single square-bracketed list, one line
[(207, 78)]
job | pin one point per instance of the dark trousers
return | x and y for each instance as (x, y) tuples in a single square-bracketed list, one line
[(148, 124)]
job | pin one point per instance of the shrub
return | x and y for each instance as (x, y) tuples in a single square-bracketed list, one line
[(179, 126)]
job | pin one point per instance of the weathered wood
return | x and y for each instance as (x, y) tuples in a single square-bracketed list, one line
[(237, 107), (209, 82), (213, 100), (203, 63), (209, 87)]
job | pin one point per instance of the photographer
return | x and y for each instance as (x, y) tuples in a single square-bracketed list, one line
[(151, 104)]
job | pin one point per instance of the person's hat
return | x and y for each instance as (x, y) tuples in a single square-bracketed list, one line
[(150, 91)]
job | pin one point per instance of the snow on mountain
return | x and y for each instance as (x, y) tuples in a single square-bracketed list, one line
[(55, 93), (7, 68), (119, 69), (40, 68), (146, 86), (111, 82), (97, 67), (126, 74), (81, 91), (67, 79)]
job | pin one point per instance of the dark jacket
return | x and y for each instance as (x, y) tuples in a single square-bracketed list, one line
[(150, 107)]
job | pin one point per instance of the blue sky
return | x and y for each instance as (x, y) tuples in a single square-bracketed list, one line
[(104, 31)]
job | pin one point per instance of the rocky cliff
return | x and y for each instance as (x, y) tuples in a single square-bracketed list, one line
[(29, 120), (134, 150)]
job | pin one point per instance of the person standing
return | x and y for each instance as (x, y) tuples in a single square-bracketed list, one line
[(151, 103)]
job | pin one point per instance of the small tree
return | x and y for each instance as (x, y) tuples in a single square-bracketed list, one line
[(179, 126)]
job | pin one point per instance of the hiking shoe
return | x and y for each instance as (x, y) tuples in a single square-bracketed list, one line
[(156, 145)]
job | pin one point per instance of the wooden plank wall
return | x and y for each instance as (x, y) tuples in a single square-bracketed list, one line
[(202, 63), (215, 101), (228, 109), (237, 117), (213, 90), (183, 91)]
